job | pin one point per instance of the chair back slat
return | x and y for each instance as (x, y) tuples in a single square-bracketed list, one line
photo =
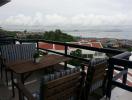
[(15, 52), (27, 51), (10, 52), (99, 72), (96, 73)]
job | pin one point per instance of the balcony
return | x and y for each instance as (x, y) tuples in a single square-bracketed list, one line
[(119, 58)]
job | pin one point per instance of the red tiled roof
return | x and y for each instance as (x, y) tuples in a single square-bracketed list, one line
[(93, 44), (96, 44), (89, 45), (59, 47), (46, 45), (92, 40), (76, 43)]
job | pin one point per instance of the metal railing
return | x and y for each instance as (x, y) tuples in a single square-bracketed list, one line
[(120, 58)]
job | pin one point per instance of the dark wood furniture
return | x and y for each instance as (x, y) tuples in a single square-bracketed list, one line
[(63, 88), (95, 76), (28, 66), (12, 52), (21, 67)]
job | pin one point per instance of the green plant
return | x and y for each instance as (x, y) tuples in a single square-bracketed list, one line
[(36, 55), (76, 53), (39, 54)]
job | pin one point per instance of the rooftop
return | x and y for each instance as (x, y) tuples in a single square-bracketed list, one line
[(60, 47)]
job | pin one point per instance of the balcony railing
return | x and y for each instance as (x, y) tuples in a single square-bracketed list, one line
[(119, 58)]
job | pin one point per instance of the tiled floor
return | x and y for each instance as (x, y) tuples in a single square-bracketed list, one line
[(120, 94), (5, 92), (117, 93)]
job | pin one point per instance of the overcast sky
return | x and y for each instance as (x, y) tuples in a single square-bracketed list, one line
[(67, 12)]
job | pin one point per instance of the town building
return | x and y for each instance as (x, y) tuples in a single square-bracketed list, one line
[(88, 54)]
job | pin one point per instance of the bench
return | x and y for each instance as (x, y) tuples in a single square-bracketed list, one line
[(63, 85)]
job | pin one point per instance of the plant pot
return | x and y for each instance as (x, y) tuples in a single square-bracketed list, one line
[(37, 60)]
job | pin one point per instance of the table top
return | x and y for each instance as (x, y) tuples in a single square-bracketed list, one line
[(21, 67)]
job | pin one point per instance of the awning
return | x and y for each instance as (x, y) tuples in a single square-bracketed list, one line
[(2, 2)]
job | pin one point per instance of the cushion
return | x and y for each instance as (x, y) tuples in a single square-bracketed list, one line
[(59, 74)]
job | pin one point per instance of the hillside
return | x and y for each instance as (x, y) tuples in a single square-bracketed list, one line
[(57, 35)]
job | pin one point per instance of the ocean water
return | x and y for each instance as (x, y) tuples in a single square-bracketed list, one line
[(88, 34), (118, 32)]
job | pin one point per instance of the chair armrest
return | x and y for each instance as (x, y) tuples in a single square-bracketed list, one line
[(121, 73), (24, 91), (2, 60)]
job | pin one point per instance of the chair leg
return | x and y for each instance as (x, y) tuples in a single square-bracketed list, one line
[(6, 77), (1, 70), (12, 82), (104, 86)]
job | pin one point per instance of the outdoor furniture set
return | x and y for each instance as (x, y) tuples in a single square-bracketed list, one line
[(68, 84)]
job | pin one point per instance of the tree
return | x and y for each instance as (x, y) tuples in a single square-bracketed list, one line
[(129, 49), (6, 33), (76, 53), (58, 35), (25, 31)]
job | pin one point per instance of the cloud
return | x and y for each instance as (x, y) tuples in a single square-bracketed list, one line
[(56, 19), (59, 20)]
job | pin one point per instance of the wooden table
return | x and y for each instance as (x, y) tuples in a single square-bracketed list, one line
[(23, 67)]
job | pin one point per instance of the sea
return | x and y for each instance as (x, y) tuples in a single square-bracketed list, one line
[(115, 35), (118, 32)]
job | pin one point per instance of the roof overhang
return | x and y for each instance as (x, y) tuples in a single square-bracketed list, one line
[(2, 2)]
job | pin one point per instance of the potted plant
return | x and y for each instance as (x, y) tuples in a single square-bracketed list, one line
[(37, 57)]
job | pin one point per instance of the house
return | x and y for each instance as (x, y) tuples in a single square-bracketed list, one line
[(85, 53), (54, 47)]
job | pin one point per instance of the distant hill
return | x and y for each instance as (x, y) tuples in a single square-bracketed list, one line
[(58, 35), (4, 33)]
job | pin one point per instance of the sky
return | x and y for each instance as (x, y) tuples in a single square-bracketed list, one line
[(67, 13)]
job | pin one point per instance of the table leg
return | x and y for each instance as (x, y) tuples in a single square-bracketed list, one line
[(12, 80), (22, 78), (6, 76), (65, 65), (1, 69), (22, 81)]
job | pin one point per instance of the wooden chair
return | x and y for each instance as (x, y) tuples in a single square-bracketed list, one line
[(15, 52), (95, 76), (58, 86)]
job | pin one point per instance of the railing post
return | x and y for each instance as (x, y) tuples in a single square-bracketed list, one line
[(110, 77), (65, 55), (125, 76), (20, 42), (14, 41), (37, 45)]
